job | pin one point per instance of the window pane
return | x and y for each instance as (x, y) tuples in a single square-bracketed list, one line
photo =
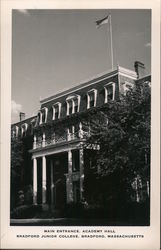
[(56, 112), (91, 98), (43, 116), (38, 118), (75, 105), (70, 107), (110, 93)]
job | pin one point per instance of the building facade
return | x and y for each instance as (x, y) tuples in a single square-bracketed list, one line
[(56, 158)]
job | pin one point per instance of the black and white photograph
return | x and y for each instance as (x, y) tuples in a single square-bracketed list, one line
[(80, 149), (80, 125)]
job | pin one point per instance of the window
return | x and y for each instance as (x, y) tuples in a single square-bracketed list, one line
[(70, 107), (24, 129), (56, 110), (15, 132), (91, 101), (109, 92), (73, 104), (33, 124), (91, 98), (39, 118), (42, 116)]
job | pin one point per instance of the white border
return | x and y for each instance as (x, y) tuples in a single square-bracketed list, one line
[(8, 234)]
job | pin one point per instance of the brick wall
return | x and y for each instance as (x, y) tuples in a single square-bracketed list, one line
[(83, 93)]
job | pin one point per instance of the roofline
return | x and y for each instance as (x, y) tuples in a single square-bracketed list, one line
[(24, 120), (149, 75), (128, 72), (91, 81)]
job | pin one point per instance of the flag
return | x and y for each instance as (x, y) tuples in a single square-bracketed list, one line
[(102, 21)]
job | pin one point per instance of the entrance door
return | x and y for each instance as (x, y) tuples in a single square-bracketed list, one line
[(76, 191), (58, 168), (59, 192)]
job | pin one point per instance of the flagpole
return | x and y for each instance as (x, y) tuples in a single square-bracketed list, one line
[(111, 42)]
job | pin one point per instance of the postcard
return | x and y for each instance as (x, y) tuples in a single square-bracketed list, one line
[(80, 127)]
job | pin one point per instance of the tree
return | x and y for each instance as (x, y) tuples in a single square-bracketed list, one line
[(121, 166), (17, 160)]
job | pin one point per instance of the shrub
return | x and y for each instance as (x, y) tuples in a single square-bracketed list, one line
[(25, 211)]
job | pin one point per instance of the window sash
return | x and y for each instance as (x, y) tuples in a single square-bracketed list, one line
[(109, 92), (73, 105), (56, 110), (91, 98)]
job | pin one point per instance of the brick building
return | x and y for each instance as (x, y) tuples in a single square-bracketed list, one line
[(55, 156)]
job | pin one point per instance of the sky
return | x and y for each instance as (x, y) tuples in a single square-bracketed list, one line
[(53, 50)]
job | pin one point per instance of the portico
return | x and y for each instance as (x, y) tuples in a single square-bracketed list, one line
[(58, 173)]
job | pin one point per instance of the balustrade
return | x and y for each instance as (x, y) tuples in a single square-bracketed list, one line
[(43, 141)]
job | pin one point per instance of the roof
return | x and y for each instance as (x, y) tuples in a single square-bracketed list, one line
[(90, 81)]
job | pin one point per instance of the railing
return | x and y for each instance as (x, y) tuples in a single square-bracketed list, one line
[(43, 142)]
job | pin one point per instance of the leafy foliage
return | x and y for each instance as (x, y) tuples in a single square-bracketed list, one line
[(17, 159), (122, 130), (17, 150)]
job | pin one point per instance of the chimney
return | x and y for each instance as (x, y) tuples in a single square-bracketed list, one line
[(22, 116), (139, 69)]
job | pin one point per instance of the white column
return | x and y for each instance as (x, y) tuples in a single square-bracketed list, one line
[(43, 140), (52, 182), (73, 131), (34, 144), (43, 179), (68, 135), (69, 184), (81, 162), (80, 130), (35, 181)]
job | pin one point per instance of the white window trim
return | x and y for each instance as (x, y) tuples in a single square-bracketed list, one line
[(106, 91), (40, 121), (46, 113), (24, 127), (33, 123), (72, 99), (13, 133), (16, 131), (88, 97), (40, 112), (59, 109)]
